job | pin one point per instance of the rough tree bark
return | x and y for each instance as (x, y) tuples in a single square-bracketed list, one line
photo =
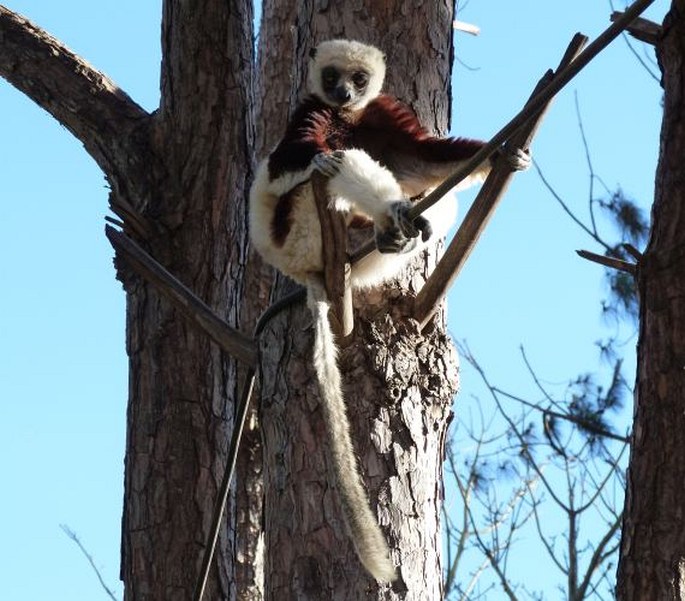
[(182, 389), (178, 179), (399, 383), (652, 556)]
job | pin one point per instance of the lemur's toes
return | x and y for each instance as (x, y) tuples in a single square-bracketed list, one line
[(518, 159), (411, 228), (424, 227), (390, 240)]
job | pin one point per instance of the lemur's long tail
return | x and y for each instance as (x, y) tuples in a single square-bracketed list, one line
[(363, 527)]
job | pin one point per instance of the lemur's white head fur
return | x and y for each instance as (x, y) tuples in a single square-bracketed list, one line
[(346, 74)]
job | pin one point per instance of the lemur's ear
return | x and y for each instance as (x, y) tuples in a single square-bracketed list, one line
[(312, 53)]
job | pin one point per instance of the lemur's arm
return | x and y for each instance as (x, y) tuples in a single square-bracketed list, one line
[(304, 139), (416, 158)]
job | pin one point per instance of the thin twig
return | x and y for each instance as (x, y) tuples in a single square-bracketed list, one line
[(72, 535), (588, 159), (598, 556), (590, 427), (566, 208)]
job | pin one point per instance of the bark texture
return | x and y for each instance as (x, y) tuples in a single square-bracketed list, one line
[(652, 556), (398, 383), (182, 390), (178, 181)]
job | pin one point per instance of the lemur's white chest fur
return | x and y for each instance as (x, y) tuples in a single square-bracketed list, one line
[(296, 249)]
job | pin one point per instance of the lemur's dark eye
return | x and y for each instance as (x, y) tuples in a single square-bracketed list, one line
[(329, 76), (360, 79)]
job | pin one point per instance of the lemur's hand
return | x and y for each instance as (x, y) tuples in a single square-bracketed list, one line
[(518, 159), (328, 163)]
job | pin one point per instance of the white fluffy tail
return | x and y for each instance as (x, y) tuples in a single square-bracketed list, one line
[(363, 527)]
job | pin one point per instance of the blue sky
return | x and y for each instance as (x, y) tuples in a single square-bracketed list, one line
[(63, 372)]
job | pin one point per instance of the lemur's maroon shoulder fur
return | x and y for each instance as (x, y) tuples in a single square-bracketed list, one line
[(386, 129)]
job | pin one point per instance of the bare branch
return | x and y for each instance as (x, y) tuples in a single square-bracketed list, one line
[(599, 556), (564, 75), (541, 535), (220, 505), (229, 339), (566, 208), (607, 261), (594, 429), (641, 29), (632, 251), (335, 260), (474, 223), (84, 100)]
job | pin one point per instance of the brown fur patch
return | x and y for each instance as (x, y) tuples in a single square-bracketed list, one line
[(283, 216), (359, 222)]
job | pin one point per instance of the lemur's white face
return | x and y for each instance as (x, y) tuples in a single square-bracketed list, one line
[(346, 74)]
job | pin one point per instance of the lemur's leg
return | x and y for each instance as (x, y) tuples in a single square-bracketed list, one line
[(358, 182)]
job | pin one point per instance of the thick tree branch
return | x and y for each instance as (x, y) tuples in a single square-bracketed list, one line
[(84, 100)]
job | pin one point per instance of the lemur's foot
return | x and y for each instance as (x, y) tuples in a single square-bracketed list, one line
[(392, 240), (518, 159), (328, 163), (411, 228), (401, 235)]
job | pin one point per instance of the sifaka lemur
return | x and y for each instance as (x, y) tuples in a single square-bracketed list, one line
[(377, 156)]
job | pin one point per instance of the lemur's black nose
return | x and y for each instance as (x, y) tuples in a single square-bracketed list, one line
[(342, 94)]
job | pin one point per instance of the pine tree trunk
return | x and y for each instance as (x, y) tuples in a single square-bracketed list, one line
[(182, 388), (178, 180), (398, 383), (652, 561)]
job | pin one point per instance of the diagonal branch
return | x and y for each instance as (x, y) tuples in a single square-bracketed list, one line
[(430, 296), (562, 77), (642, 29), (232, 341), (84, 100)]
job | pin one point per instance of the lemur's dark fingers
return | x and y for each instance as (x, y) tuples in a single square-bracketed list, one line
[(518, 159), (328, 163)]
